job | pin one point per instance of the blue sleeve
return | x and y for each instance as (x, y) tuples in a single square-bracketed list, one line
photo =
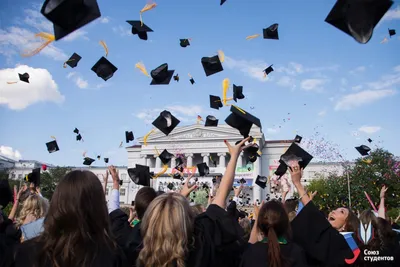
[(300, 207)]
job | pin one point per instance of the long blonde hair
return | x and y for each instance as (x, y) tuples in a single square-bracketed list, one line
[(166, 228), (34, 205)]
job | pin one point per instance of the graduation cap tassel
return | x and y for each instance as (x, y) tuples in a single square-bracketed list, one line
[(65, 63), (46, 36), (221, 56), (147, 7), (147, 136), (142, 68), (225, 87), (11, 82), (252, 36), (164, 170), (157, 152), (241, 110), (104, 45)]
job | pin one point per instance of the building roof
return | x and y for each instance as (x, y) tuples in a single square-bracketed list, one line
[(278, 141), (134, 146)]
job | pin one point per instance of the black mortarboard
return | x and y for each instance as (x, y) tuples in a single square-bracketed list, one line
[(369, 140), (140, 175), (251, 153), (106, 160), (6, 195), (165, 157), (73, 60), (211, 65), (392, 32), (176, 77), (363, 150), (237, 92), (88, 161), (177, 175), (261, 181), (166, 122), (161, 75), (242, 121), (98, 157), (34, 177), (68, 16), (170, 186), (139, 29), (215, 102), (298, 139), (271, 32), (52, 146), (295, 152), (184, 42), (203, 169), (104, 69), (242, 181), (282, 168), (129, 136), (192, 80), (211, 121), (24, 77), (79, 137), (358, 18), (222, 2), (178, 162), (76, 131), (268, 70)]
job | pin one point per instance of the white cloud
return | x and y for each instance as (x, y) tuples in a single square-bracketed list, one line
[(386, 81), (392, 14), (183, 113), (358, 70), (313, 84), (105, 20), (76, 35), (273, 130), (286, 81), (365, 97), (79, 81), (294, 69), (41, 88), (10, 153), (370, 129), (253, 68), (322, 113), (123, 31)]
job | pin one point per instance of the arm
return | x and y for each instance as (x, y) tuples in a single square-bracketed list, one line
[(227, 179), (295, 174), (113, 204), (381, 210), (105, 179), (254, 231), (13, 211), (284, 194)]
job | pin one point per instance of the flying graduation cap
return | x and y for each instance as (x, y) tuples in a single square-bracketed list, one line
[(251, 153), (129, 136), (295, 152), (242, 120), (211, 121), (237, 92), (222, 2), (165, 157), (34, 177), (88, 161), (298, 139), (140, 29), (203, 169), (104, 69), (211, 65), (76, 131), (363, 150), (140, 175), (106, 160), (261, 181), (391, 32), (79, 137), (176, 77), (268, 70), (161, 75), (73, 61), (68, 16), (52, 146), (191, 79), (184, 42), (358, 18), (215, 102), (24, 77), (369, 140), (271, 32), (166, 122)]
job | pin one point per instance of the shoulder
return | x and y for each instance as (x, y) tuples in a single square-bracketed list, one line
[(27, 252)]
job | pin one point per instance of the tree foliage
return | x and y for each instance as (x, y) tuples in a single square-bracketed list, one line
[(50, 178), (368, 174)]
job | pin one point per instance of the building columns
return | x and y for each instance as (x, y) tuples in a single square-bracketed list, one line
[(144, 160), (206, 158), (189, 159), (222, 162), (173, 162), (240, 160), (158, 161), (258, 192)]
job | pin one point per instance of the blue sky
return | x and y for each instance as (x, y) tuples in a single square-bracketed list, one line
[(338, 92)]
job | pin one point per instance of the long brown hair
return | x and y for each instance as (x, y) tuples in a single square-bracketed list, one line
[(352, 222), (273, 222), (77, 225)]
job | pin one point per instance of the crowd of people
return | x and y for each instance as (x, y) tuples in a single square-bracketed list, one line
[(78, 227)]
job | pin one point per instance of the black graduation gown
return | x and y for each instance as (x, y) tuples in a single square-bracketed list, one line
[(324, 245), (256, 255), (128, 238), (27, 253), (10, 237)]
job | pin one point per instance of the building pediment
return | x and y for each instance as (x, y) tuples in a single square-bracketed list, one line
[(199, 132)]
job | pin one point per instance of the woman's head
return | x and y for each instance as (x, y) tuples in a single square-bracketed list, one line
[(35, 206), (166, 228), (245, 223), (77, 223), (343, 220), (143, 199), (197, 209)]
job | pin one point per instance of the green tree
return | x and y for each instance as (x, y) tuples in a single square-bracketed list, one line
[(4, 174), (200, 196), (50, 179), (367, 175)]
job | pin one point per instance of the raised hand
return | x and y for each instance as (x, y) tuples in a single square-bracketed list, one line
[(238, 190), (114, 173), (235, 150), (313, 194), (295, 172), (383, 191), (187, 188)]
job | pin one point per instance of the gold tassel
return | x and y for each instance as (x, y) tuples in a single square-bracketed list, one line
[(11, 82), (225, 87), (164, 170), (221, 56), (157, 152), (142, 68), (53, 137), (147, 7), (104, 45), (252, 36), (147, 136), (241, 110), (46, 36)]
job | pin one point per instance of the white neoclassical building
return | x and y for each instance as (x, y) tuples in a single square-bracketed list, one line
[(197, 144)]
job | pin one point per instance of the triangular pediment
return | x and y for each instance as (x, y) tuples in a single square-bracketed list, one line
[(199, 132)]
